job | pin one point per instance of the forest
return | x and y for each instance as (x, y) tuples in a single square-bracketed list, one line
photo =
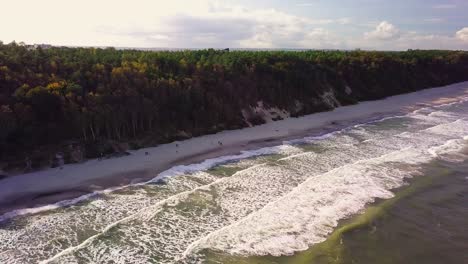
[(90, 102)]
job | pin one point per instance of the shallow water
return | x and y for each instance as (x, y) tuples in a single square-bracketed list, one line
[(278, 201)]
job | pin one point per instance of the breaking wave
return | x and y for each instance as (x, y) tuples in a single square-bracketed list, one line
[(271, 201)]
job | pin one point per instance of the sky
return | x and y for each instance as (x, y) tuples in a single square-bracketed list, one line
[(261, 24)]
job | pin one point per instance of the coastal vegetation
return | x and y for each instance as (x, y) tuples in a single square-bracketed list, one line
[(91, 102)]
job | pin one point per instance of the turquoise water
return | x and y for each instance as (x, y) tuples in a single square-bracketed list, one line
[(294, 203)]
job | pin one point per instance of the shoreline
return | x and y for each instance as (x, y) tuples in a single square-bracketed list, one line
[(77, 180)]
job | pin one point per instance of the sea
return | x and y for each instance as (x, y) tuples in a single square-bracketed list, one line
[(393, 190)]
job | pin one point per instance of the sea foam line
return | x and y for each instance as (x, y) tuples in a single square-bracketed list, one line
[(161, 203), (196, 243), (429, 106), (158, 205), (192, 168), (205, 165), (140, 212), (174, 171), (186, 169)]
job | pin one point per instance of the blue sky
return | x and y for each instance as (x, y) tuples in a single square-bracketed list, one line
[(318, 24)]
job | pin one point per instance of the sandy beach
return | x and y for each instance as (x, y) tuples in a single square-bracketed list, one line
[(75, 180)]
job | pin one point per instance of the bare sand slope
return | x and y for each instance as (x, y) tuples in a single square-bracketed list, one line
[(70, 181)]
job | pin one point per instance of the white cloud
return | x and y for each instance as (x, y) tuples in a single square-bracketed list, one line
[(462, 34), (234, 26), (383, 31), (198, 24), (155, 23)]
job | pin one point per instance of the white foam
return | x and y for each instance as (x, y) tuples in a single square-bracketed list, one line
[(309, 213), (90, 218), (174, 171), (312, 139), (210, 163), (268, 207), (44, 208), (450, 151)]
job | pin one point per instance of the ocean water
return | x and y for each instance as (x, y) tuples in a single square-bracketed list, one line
[(274, 205), (425, 222)]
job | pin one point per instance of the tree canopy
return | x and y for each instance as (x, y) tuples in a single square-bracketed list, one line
[(49, 97)]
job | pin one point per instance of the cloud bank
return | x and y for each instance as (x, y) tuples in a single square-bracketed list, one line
[(203, 24)]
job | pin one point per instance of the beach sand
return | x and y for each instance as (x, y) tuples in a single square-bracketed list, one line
[(75, 180)]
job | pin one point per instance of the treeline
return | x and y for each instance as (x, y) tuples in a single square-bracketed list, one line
[(50, 98)]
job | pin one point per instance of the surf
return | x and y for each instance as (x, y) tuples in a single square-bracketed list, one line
[(234, 204)]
